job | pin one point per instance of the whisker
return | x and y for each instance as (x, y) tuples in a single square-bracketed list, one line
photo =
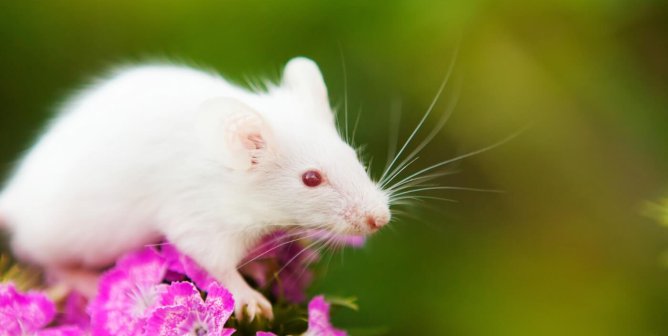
[(435, 131), (394, 174), (345, 93), (359, 150), (421, 197), (427, 113), (463, 156), (393, 134), (297, 255), (275, 247), (276, 239), (400, 202), (368, 166), (331, 247), (418, 181), (448, 188), (330, 254), (305, 266), (357, 121)]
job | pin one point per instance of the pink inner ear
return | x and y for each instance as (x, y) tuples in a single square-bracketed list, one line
[(254, 141)]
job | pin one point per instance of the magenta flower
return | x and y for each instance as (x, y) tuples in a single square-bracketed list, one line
[(160, 292), (28, 314), (318, 319), (62, 331), (24, 313), (182, 311), (127, 293), (182, 264)]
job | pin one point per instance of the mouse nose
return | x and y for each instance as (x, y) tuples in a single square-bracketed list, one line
[(375, 222)]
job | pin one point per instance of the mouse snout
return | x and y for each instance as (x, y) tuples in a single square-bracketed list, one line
[(368, 221), (375, 221)]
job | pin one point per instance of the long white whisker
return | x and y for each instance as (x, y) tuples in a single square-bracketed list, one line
[(447, 188), (297, 255), (427, 113), (394, 174), (276, 240), (329, 258), (418, 181), (400, 202), (345, 93), (463, 156), (435, 131), (393, 135), (317, 251), (368, 166), (357, 121), (420, 197), (275, 247)]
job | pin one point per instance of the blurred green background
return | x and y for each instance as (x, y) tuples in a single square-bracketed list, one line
[(564, 251)]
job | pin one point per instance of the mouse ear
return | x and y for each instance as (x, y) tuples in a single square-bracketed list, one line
[(233, 132), (304, 75)]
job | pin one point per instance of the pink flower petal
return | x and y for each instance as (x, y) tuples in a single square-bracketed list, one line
[(171, 321), (146, 265), (62, 331), (183, 311), (181, 263), (173, 257), (219, 306), (265, 333), (228, 332), (318, 319), (127, 293), (24, 312), (181, 294)]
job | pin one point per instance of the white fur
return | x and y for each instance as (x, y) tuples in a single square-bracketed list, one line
[(169, 151)]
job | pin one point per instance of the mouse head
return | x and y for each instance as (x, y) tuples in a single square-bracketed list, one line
[(296, 162)]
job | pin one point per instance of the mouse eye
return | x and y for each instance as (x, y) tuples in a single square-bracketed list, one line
[(312, 178)]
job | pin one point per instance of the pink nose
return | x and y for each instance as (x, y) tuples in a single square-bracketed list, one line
[(376, 222)]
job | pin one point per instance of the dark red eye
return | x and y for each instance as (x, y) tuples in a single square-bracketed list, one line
[(312, 178)]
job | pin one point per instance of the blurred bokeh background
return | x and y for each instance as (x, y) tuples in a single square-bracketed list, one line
[(566, 250)]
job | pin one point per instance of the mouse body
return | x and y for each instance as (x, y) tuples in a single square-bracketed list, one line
[(172, 152)]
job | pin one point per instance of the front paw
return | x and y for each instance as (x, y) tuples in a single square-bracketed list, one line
[(248, 303)]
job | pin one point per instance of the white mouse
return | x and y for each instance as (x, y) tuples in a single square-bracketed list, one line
[(170, 151)]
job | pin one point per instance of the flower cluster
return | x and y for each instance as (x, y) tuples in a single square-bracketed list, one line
[(160, 291), (134, 298), (29, 314)]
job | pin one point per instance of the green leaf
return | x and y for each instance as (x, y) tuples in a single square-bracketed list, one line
[(348, 302)]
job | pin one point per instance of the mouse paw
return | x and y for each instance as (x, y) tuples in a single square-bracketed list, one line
[(249, 303), (81, 280)]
